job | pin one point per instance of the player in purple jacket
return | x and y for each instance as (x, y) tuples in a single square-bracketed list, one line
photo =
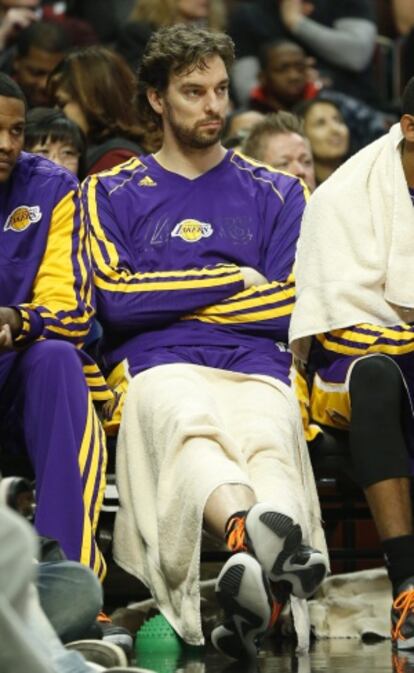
[(193, 250), (47, 385)]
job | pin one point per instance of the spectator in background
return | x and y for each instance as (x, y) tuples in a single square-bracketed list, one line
[(54, 136), (106, 16), (237, 126), (149, 15), (39, 49), (283, 80), (396, 20), (340, 35), (328, 135), (96, 89), (15, 15), (279, 140), (167, 12), (46, 406)]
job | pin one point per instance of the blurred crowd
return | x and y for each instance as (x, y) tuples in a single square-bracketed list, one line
[(340, 67)]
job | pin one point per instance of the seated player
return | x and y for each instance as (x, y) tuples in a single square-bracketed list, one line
[(47, 384), (193, 249), (353, 324)]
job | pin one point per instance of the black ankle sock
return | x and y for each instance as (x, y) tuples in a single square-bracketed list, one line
[(399, 559)]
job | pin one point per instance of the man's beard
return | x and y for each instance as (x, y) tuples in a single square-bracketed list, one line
[(194, 137)]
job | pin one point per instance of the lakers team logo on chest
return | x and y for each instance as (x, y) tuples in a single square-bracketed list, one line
[(192, 231), (22, 217)]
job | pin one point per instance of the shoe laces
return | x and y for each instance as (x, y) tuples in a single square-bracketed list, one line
[(398, 664), (404, 603), (103, 618), (276, 610), (236, 534)]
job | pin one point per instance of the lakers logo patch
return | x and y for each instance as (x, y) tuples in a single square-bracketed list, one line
[(192, 231), (22, 217)]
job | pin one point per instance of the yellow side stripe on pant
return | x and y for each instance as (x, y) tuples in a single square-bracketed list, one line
[(93, 445), (86, 440)]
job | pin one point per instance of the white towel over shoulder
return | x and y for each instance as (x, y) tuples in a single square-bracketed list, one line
[(356, 249)]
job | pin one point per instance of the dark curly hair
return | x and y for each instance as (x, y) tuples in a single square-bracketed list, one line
[(173, 50)]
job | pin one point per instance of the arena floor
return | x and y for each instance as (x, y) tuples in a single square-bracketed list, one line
[(333, 656)]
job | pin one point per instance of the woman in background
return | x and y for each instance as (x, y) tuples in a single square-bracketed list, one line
[(149, 15), (328, 135), (49, 133), (96, 89)]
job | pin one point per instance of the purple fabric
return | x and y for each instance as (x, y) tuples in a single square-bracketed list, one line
[(47, 396), (252, 218)]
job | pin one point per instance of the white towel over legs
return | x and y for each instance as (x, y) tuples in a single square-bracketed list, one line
[(186, 430)]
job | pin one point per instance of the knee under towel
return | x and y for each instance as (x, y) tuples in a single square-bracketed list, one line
[(185, 431)]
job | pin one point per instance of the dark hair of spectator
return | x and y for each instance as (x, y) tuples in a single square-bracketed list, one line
[(10, 89), (302, 108), (407, 103), (45, 123), (273, 124), (266, 48), (105, 88), (174, 50), (165, 13), (50, 37)]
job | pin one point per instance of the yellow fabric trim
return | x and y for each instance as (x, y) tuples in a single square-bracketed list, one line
[(271, 169), (84, 449), (54, 284), (243, 317), (67, 332), (118, 380), (330, 406), (165, 285), (240, 303), (301, 389), (343, 349)]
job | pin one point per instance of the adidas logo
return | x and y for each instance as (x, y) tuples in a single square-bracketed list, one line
[(147, 182)]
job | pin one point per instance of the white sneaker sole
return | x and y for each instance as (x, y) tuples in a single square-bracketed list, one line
[(243, 592), (276, 541)]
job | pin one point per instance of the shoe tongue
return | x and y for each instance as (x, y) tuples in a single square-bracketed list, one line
[(407, 585)]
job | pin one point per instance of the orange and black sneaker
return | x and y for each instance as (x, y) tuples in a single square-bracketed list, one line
[(402, 617), (250, 610)]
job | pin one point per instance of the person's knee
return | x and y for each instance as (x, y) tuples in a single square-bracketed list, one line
[(376, 379), (71, 596), (53, 360), (55, 351)]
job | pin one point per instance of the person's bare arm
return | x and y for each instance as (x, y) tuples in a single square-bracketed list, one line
[(348, 44)]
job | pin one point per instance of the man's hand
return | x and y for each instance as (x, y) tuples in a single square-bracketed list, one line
[(6, 341), (292, 11), (252, 277), (13, 21), (10, 326)]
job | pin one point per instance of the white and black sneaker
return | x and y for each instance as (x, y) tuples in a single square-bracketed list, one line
[(276, 542), (18, 494), (99, 652), (244, 593)]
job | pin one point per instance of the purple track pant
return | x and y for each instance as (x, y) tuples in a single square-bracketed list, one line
[(65, 443)]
